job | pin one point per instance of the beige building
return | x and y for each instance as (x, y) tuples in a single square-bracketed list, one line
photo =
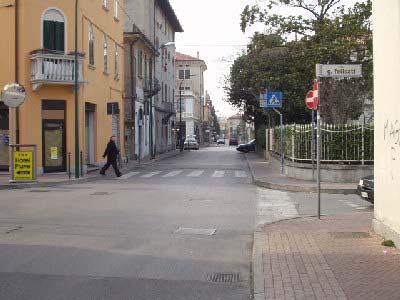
[(190, 85), (37, 51), (386, 23)]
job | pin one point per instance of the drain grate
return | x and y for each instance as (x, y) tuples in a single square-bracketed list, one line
[(350, 235), (223, 277), (99, 194)]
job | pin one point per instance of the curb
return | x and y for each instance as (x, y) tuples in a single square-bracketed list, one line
[(258, 267), (82, 179), (295, 188)]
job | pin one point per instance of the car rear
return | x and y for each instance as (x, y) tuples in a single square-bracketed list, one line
[(366, 188)]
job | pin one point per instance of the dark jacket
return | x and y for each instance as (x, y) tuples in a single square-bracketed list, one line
[(111, 151)]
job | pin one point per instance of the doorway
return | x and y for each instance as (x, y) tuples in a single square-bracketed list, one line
[(53, 136), (4, 137), (90, 110)]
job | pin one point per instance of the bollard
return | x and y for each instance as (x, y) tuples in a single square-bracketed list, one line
[(69, 165), (81, 161)]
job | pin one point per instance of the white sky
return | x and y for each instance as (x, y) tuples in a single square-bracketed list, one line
[(212, 27)]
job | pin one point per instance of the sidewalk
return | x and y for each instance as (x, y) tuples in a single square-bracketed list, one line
[(337, 257), (48, 180), (265, 176)]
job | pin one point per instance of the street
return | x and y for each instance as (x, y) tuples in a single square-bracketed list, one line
[(181, 228)]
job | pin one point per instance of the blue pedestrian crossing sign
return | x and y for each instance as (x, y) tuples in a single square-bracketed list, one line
[(273, 99)]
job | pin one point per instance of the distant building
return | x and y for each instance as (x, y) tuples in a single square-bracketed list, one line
[(190, 88)]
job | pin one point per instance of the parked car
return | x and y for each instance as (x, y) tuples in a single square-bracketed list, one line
[(366, 188), (233, 142), (191, 143), (221, 142), (249, 147)]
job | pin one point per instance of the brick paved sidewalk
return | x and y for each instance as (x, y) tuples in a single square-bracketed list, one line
[(333, 258)]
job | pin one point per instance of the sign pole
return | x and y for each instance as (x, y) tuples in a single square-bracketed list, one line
[(319, 149), (282, 144), (313, 142)]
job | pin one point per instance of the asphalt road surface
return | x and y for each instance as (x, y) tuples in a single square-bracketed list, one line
[(179, 229)]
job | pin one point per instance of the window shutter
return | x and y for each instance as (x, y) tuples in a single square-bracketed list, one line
[(48, 33), (59, 36)]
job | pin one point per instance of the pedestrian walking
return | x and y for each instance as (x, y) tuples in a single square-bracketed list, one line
[(112, 154)]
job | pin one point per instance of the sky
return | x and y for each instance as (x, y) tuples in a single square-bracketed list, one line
[(212, 27)]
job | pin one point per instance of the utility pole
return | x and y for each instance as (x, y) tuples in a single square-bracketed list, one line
[(180, 117)]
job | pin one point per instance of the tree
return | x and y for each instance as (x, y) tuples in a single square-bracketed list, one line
[(329, 33)]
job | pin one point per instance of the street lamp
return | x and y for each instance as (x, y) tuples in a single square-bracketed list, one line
[(76, 90)]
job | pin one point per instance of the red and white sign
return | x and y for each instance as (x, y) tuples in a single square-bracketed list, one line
[(312, 98)]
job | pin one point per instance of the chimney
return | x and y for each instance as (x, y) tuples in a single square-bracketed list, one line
[(198, 54)]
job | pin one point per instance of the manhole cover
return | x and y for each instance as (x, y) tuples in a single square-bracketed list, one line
[(195, 231), (99, 194), (223, 277), (350, 235)]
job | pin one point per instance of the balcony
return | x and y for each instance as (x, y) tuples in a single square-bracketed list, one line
[(54, 68), (151, 87)]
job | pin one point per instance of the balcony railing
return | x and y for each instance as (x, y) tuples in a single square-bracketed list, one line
[(151, 87), (55, 68)]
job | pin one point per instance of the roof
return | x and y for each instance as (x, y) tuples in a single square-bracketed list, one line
[(170, 14), (181, 56)]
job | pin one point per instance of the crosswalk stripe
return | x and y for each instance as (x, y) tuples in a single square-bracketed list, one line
[(172, 174), (151, 174), (218, 174), (196, 173), (127, 176), (241, 174)]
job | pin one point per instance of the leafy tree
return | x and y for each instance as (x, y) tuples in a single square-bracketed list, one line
[(326, 33)]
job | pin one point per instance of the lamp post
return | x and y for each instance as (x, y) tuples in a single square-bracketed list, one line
[(180, 116), (76, 91)]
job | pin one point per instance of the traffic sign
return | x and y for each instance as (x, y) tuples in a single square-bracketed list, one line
[(312, 98), (13, 95), (272, 100)]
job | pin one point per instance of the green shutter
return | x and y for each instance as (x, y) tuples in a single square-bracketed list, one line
[(59, 36), (48, 33), (53, 35)]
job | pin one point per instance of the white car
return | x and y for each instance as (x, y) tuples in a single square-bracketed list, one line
[(191, 143)]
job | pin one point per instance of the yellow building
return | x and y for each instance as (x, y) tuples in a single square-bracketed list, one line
[(37, 51)]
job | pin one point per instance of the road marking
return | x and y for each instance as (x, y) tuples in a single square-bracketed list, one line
[(172, 174), (151, 174), (218, 174), (273, 206), (196, 173), (241, 174), (362, 207), (127, 176), (352, 204)]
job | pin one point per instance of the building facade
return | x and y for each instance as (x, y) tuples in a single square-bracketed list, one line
[(190, 90), (386, 20), (149, 53), (38, 53)]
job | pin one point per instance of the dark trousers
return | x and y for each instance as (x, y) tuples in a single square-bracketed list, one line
[(112, 163)]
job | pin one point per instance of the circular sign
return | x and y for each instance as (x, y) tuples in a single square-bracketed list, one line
[(13, 95), (312, 100)]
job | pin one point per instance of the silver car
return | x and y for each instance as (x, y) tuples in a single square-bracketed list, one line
[(191, 143)]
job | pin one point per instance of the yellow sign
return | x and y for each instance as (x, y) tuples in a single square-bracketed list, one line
[(23, 165), (54, 153)]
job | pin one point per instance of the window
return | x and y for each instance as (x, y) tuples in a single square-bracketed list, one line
[(91, 45), (181, 74), (105, 54), (116, 9), (105, 4), (187, 74), (116, 62), (140, 63), (54, 30), (187, 88)]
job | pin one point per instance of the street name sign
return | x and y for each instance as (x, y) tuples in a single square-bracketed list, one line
[(338, 71)]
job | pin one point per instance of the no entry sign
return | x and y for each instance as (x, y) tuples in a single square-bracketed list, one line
[(312, 98)]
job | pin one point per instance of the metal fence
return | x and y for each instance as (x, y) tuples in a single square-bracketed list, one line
[(340, 144)]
